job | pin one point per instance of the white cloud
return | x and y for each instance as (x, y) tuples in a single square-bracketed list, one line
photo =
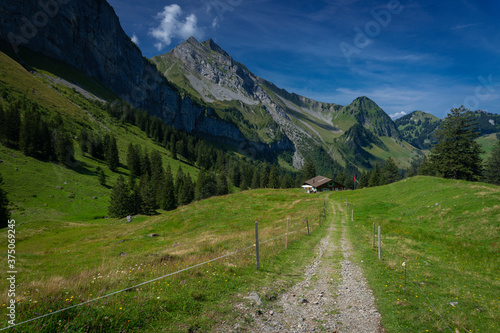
[(215, 23), (172, 26), (397, 115), (135, 39)]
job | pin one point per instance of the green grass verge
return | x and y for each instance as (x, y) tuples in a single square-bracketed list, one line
[(447, 233), (63, 263)]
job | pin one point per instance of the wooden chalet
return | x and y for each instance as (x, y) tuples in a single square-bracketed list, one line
[(322, 184)]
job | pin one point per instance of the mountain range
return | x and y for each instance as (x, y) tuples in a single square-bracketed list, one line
[(199, 88)]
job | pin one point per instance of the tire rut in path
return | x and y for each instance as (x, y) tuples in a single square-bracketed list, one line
[(348, 306), (355, 302)]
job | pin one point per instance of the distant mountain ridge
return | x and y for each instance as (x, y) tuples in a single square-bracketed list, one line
[(201, 89), (87, 35), (209, 74), (418, 127)]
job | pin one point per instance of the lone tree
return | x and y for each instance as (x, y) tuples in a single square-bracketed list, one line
[(4, 209), (457, 154)]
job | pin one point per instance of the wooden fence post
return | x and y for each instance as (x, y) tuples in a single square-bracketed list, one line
[(379, 243), (286, 239), (307, 222), (352, 215), (257, 244)]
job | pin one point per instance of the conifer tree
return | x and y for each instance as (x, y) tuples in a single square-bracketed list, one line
[(173, 147), (12, 125), (157, 176), (133, 160), (236, 175), (145, 164), (4, 206), (186, 194), (492, 167), (274, 180), (111, 153), (120, 203), (222, 184), (28, 136), (375, 177), (264, 176), (390, 172), (308, 169), (255, 180), (457, 154), (63, 147), (179, 180), (169, 200), (101, 176), (148, 197)]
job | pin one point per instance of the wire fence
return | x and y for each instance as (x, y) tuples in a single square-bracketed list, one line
[(305, 229)]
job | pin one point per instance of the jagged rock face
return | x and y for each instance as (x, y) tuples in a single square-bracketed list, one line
[(87, 35)]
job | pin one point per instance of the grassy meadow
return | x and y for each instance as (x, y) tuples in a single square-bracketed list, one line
[(61, 264), (447, 234)]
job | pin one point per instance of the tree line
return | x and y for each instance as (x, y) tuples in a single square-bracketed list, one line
[(24, 126)]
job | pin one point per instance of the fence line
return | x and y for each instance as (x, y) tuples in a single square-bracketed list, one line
[(407, 272), (149, 281)]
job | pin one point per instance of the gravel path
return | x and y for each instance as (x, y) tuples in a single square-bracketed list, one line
[(319, 303)]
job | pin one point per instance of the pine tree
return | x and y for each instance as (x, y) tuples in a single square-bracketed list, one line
[(287, 181), (364, 179), (133, 161), (173, 147), (63, 147), (157, 176), (102, 176), (120, 203), (179, 180), (206, 185), (145, 165), (492, 167), (457, 154), (255, 180), (390, 172), (4, 206), (308, 170), (169, 200), (186, 195), (236, 175), (111, 153), (222, 184), (375, 177), (148, 197), (274, 179), (12, 125), (264, 176), (84, 141), (28, 136)]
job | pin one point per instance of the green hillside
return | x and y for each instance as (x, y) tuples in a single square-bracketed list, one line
[(33, 184), (63, 263), (447, 233), (418, 128)]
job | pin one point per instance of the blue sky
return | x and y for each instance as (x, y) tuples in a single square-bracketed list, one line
[(405, 55)]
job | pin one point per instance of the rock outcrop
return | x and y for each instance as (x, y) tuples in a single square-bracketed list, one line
[(87, 35)]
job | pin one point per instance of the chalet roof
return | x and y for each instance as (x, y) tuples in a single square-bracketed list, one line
[(320, 180), (317, 181)]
